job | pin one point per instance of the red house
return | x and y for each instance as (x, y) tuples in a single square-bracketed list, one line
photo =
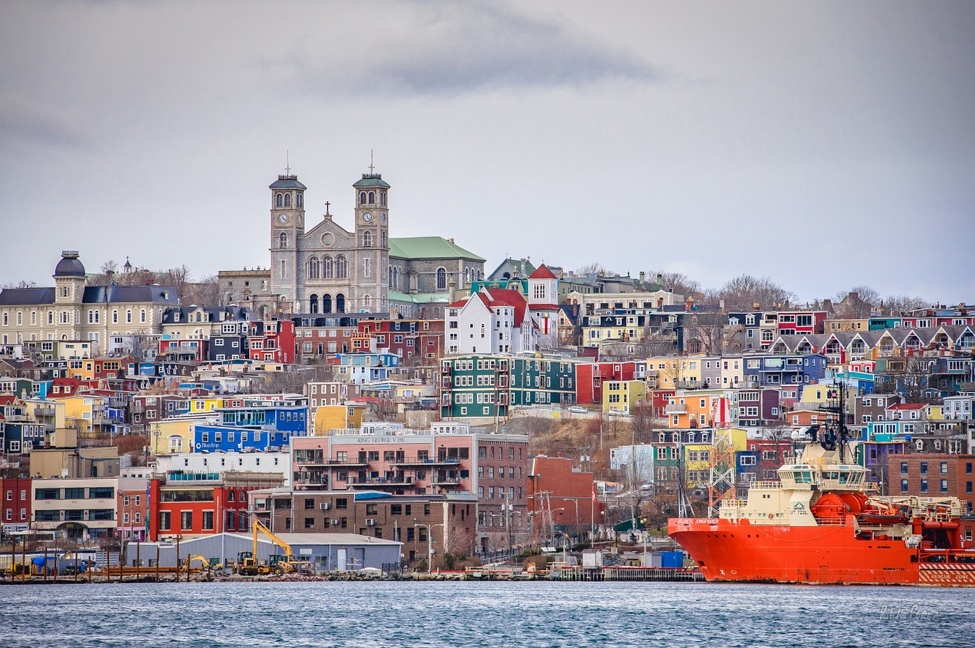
[(272, 341), (801, 322), (15, 509), (590, 378)]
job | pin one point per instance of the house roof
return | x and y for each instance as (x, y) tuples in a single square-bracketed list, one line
[(542, 272), (26, 296), (428, 247)]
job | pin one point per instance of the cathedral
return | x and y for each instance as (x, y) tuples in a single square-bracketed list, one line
[(323, 268)]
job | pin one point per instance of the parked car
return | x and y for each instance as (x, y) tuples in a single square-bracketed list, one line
[(614, 412), (578, 409)]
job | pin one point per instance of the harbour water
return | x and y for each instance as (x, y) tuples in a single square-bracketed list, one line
[(496, 614)]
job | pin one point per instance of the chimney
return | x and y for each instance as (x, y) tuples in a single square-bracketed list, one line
[(643, 276)]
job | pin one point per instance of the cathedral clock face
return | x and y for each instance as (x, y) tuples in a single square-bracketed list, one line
[(282, 218), (383, 219), (367, 217)]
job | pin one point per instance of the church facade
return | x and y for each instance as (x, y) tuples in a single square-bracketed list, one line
[(328, 269)]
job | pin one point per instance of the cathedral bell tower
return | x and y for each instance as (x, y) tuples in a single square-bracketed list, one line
[(287, 224), (371, 288)]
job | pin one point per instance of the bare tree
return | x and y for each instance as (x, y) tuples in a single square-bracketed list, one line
[(898, 304), (382, 409), (677, 282), (707, 333), (205, 292), (592, 268), (745, 291)]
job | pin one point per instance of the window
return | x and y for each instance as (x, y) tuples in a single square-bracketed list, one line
[(208, 520), (283, 241), (186, 520), (164, 521), (924, 467), (903, 467), (441, 279)]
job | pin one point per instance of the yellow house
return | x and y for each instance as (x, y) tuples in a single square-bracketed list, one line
[(846, 325), (623, 395), (205, 404), (81, 369), (170, 436), (666, 369), (49, 412), (79, 412), (334, 417), (691, 368), (697, 464)]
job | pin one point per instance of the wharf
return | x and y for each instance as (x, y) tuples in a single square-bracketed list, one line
[(625, 573)]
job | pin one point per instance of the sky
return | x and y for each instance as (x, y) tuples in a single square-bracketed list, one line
[(823, 144)]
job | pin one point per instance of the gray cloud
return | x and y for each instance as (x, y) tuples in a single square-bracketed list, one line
[(35, 126), (459, 48)]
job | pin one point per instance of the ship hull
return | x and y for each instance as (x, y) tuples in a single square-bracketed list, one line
[(729, 550)]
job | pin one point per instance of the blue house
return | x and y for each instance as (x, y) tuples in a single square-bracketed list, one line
[(215, 438)]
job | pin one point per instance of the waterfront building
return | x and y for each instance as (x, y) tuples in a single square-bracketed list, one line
[(424, 525), (75, 508)]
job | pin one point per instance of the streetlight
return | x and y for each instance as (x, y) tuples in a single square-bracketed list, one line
[(429, 541)]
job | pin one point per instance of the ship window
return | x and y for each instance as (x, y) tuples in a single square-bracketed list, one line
[(844, 476)]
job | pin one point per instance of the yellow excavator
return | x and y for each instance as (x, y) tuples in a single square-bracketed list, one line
[(248, 565)]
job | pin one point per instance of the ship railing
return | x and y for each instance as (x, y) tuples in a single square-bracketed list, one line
[(767, 485), (831, 521)]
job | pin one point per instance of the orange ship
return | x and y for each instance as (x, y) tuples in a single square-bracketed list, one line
[(819, 524)]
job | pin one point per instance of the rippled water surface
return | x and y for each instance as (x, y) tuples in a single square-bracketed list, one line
[(496, 614)]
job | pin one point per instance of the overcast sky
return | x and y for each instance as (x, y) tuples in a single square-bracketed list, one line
[(825, 144)]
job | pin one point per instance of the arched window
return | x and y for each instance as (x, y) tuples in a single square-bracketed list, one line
[(367, 239), (441, 279), (142, 316), (341, 269), (340, 303), (327, 270), (128, 316), (372, 197), (313, 303), (367, 302), (382, 198), (326, 303), (362, 197), (114, 317), (300, 200), (278, 200), (314, 268), (283, 240), (385, 241), (287, 200)]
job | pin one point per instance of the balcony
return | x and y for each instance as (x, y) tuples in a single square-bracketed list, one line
[(675, 408), (43, 411), (358, 463), (380, 482), (416, 461)]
